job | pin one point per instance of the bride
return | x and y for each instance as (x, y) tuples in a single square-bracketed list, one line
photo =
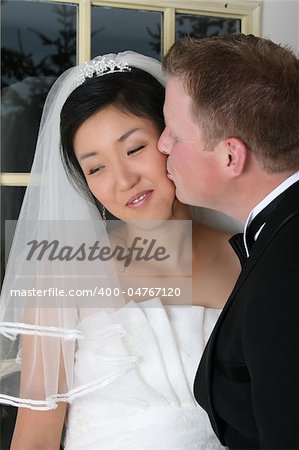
[(116, 368)]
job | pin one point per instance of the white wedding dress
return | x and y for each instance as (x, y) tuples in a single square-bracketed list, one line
[(145, 357)]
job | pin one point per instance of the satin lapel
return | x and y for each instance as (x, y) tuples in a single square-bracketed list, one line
[(287, 210)]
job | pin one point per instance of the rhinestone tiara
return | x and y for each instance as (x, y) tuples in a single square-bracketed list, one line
[(99, 67)]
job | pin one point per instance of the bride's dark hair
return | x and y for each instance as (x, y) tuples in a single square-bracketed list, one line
[(135, 92)]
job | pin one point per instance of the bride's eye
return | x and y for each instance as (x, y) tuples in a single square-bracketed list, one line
[(135, 150), (95, 170)]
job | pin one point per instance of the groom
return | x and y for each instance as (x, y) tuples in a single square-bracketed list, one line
[(232, 136)]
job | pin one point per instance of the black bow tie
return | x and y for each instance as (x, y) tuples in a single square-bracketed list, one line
[(237, 243)]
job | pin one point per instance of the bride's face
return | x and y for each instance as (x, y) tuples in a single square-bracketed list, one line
[(123, 167)]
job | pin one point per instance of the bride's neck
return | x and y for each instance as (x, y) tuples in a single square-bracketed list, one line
[(174, 234), (180, 211)]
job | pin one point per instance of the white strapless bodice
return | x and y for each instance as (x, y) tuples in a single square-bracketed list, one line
[(144, 358)]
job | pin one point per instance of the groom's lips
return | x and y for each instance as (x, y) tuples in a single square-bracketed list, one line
[(169, 175)]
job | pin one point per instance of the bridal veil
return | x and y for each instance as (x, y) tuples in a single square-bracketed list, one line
[(39, 327)]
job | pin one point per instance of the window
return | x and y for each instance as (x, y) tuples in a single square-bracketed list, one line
[(40, 39)]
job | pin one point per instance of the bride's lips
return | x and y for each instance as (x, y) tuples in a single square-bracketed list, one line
[(139, 199)]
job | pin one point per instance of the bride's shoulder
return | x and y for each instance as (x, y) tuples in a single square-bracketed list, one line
[(215, 265), (213, 246), (210, 237)]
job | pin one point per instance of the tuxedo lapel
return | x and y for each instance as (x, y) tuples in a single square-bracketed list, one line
[(286, 210)]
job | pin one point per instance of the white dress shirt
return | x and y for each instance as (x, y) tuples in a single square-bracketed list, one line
[(266, 201)]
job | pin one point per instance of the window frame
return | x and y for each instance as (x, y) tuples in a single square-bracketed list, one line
[(248, 11)]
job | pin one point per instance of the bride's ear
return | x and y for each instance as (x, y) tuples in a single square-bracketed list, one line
[(235, 155)]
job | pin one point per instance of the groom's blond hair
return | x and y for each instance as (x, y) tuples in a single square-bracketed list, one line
[(246, 87)]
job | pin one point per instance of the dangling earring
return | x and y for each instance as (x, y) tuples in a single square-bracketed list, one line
[(104, 215)]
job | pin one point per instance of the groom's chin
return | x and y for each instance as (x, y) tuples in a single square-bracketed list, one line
[(184, 198)]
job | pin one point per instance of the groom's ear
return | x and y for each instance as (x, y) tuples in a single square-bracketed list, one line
[(234, 156)]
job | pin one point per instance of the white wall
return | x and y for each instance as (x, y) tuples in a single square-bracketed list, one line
[(280, 22)]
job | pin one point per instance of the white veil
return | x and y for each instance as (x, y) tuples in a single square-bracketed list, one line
[(39, 327)]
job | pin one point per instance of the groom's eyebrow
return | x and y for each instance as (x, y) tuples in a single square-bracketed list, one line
[(124, 136)]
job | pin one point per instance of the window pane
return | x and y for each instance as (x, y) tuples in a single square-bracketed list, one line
[(38, 44), (201, 26), (11, 201), (115, 30), (7, 422)]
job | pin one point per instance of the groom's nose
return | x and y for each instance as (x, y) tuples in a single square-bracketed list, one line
[(164, 143)]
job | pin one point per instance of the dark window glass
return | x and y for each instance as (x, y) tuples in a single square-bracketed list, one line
[(11, 201), (202, 26), (115, 30), (7, 422), (38, 44)]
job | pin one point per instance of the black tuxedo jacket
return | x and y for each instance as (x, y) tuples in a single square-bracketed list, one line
[(248, 378)]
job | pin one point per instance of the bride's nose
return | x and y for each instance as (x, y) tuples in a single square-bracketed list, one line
[(126, 177)]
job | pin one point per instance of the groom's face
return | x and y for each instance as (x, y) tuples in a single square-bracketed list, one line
[(193, 169)]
